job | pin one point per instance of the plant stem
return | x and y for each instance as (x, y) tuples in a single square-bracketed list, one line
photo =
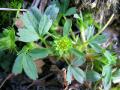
[(67, 61), (16, 51), (95, 87), (43, 40), (104, 27), (17, 14), (52, 35), (72, 34), (83, 36), (18, 11)]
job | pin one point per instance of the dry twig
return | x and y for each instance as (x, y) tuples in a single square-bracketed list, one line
[(11, 9)]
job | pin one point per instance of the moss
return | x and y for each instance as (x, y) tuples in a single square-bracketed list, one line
[(7, 16)]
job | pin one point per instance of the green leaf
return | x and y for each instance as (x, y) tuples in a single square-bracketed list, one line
[(116, 76), (24, 61), (76, 16), (107, 74), (81, 24), (36, 24), (78, 74), (70, 11), (67, 27), (39, 53), (69, 75), (99, 39), (47, 19), (90, 32), (111, 59), (36, 13), (17, 67), (52, 11), (33, 19), (44, 25), (27, 35), (76, 52), (79, 59), (28, 32), (29, 67), (56, 2), (92, 76), (64, 6), (96, 47)]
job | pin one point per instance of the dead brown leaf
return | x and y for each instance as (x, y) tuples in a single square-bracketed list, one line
[(19, 23), (39, 64)]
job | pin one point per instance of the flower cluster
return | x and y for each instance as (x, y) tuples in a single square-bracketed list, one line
[(62, 45)]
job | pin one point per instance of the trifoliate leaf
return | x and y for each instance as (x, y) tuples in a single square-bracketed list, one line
[(36, 24), (24, 61)]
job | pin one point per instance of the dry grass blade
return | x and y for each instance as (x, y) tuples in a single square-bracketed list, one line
[(11, 9)]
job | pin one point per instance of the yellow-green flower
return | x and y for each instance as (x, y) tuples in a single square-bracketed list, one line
[(62, 45)]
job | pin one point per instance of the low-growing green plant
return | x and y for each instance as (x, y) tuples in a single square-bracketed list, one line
[(87, 60), (7, 40)]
